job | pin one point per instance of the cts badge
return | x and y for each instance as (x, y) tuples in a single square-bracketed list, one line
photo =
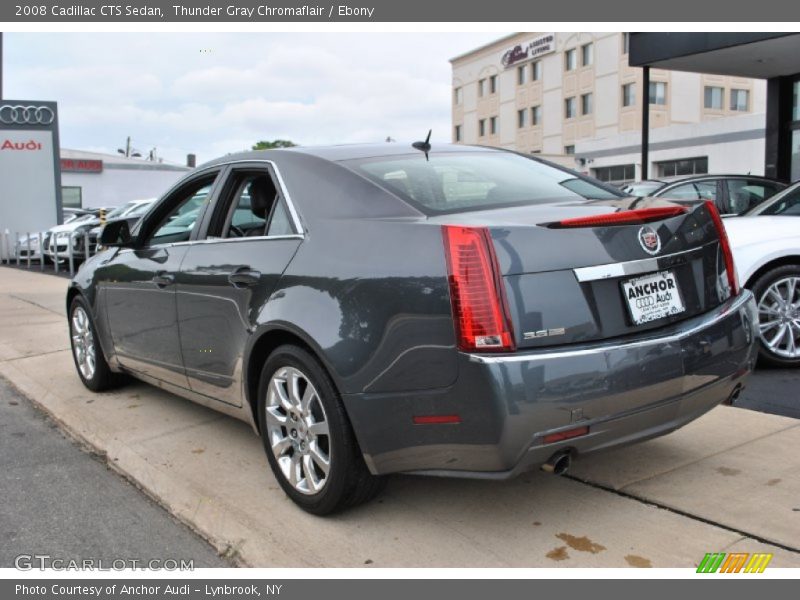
[(532, 335), (649, 240)]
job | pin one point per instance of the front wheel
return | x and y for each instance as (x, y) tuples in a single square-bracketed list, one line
[(86, 351), (777, 293), (307, 436)]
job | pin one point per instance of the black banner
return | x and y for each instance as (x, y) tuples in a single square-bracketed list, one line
[(266, 11)]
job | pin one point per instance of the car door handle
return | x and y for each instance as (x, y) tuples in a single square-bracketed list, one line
[(244, 276), (163, 279)]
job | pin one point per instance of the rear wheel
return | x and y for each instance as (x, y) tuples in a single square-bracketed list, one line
[(307, 436), (86, 352), (777, 293)]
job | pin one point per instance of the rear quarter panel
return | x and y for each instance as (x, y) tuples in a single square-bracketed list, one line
[(372, 297)]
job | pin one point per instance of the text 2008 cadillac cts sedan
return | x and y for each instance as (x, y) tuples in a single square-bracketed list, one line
[(378, 309)]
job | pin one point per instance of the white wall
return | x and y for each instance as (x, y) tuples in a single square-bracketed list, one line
[(115, 187)]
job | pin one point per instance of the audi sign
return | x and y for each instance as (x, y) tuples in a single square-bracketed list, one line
[(11, 114), (30, 168)]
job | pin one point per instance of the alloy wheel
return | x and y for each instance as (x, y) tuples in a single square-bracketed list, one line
[(83, 343), (779, 317), (298, 430)]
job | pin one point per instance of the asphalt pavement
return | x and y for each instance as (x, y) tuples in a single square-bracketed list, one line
[(59, 500), (774, 391)]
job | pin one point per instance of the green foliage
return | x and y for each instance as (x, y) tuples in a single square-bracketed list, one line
[(270, 145)]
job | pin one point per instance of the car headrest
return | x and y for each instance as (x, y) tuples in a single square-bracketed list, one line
[(262, 195)]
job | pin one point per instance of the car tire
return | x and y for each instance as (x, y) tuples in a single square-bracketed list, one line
[(774, 290), (90, 363), (303, 423)]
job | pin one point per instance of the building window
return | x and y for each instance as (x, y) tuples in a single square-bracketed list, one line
[(71, 197), (687, 166), (569, 108), (569, 149), (629, 94), (536, 71), (570, 60), (522, 75), (492, 125), (616, 175), (481, 88), (587, 55), (586, 104), (714, 97), (536, 115), (493, 84), (458, 96), (522, 118), (457, 133), (740, 100), (626, 43), (482, 128), (658, 92)]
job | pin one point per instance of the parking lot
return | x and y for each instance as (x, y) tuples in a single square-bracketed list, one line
[(727, 482)]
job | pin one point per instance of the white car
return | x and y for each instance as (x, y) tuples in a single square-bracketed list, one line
[(766, 250)]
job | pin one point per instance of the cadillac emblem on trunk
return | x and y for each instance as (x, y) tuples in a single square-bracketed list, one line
[(649, 240)]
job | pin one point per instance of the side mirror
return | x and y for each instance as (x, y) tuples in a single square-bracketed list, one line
[(116, 233)]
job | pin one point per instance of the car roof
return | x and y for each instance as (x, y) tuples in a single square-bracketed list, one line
[(686, 178), (346, 152)]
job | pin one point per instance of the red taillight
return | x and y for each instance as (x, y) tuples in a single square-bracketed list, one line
[(725, 247), (624, 217), (565, 435), (476, 290), (436, 420)]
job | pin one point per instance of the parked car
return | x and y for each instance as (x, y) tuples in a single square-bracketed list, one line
[(29, 242), (81, 232), (766, 247), (57, 238), (457, 311), (733, 194)]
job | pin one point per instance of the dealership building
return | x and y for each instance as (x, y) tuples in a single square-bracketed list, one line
[(92, 180), (575, 94)]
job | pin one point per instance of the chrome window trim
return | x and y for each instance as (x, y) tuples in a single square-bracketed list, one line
[(633, 267), (708, 320), (293, 214)]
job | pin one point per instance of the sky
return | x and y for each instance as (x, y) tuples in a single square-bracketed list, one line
[(211, 94)]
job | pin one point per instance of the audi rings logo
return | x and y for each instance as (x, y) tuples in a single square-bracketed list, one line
[(26, 115), (645, 302)]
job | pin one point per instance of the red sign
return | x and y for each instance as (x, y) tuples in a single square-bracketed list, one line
[(76, 165)]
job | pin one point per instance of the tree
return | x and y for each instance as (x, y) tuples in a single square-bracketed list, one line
[(270, 145)]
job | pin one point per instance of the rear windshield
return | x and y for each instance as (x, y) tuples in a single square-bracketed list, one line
[(455, 182)]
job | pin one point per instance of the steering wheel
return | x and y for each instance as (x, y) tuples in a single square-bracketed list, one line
[(236, 230)]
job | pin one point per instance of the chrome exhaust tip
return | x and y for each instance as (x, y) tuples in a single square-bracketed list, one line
[(558, 464)]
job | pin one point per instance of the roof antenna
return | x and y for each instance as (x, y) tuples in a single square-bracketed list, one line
[(424, 146)]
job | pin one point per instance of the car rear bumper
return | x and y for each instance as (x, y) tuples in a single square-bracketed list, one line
[(624, 391)]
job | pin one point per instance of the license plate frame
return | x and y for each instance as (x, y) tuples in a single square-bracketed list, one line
[(652, 297)]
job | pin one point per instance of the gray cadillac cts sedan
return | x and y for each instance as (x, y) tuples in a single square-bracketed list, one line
[(377, 309)]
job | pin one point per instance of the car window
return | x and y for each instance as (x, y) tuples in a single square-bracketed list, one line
[(280, 224), (746, 194), (787, 205), (458, 181), (642, 188), (178, 224), (699, 190), (250, 206), (139, 210)]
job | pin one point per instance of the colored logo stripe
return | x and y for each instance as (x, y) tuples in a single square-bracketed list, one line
[(714, 562)]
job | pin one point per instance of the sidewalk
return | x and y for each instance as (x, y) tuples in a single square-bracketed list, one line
[(730, 482)]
